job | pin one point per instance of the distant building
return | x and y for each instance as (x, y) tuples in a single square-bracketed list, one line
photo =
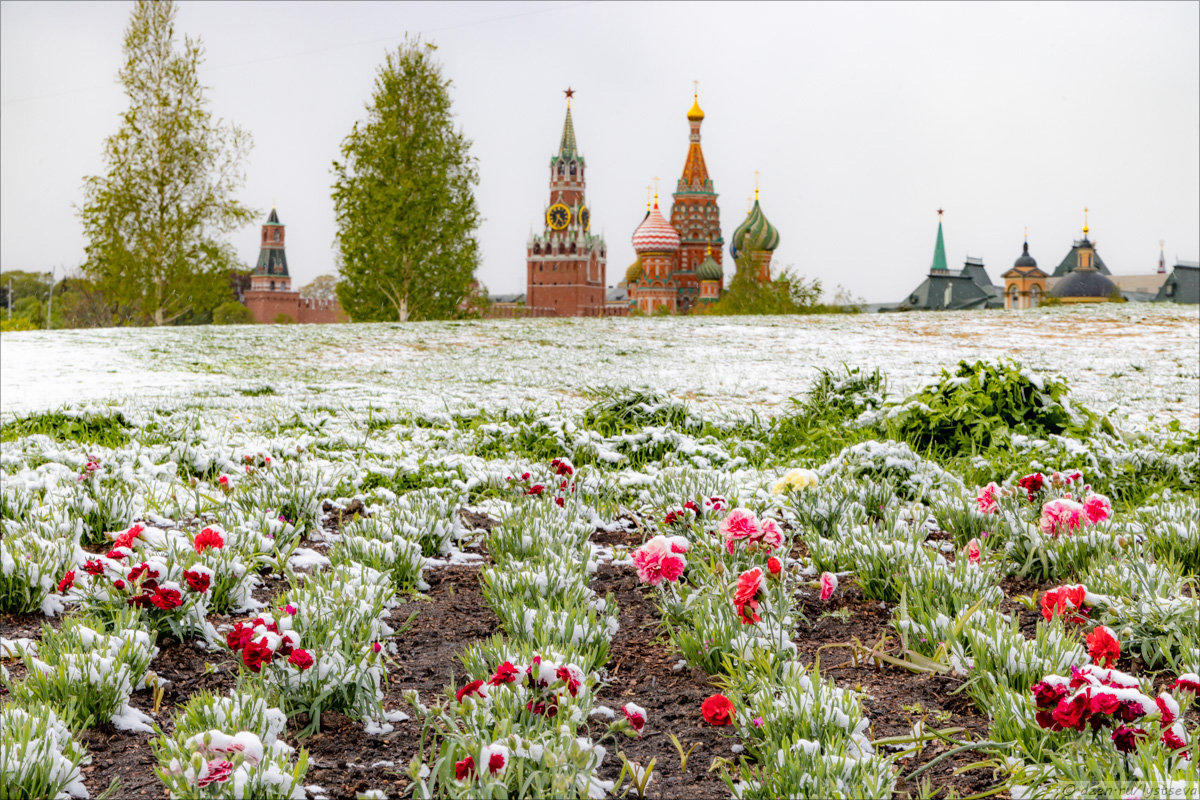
[(946, 289), (1025, 283), (1082, 252), (565, 264), (1182, 285), (1085, 283), (270, 297)]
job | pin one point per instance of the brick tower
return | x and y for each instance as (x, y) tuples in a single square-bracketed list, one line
[(271, 272), (566, 263), (694, 214)]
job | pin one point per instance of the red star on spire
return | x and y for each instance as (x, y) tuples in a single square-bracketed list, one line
[(569, 92), (939, 212)]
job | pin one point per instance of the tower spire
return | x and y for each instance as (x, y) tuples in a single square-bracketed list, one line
[(566, 147), (656, 191), (939, 249), (1162, 259), (1085, 225)]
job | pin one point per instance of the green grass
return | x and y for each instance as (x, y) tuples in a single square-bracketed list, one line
[(106, 431)]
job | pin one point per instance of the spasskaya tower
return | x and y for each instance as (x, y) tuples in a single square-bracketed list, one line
[(565, 263)]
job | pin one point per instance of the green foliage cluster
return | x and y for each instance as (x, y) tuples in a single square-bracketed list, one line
[(106, 431), (231, 312), (621, 410), (982, 404), (786, 293)]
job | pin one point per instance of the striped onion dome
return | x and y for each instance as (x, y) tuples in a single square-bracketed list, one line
[(755, 233), (709, 269), (655, 235)]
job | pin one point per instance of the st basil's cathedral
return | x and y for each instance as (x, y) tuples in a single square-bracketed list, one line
[(679, 264)]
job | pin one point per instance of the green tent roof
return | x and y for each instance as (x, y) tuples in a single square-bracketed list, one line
[(939, 252)]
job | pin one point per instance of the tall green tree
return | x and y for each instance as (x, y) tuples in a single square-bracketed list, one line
[(404, 196), (155, 222)]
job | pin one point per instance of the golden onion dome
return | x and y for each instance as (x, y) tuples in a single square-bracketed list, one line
[(695, 114), (633, 272)]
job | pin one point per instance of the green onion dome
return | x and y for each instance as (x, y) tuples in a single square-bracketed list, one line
[(633, 272), (709, 269), (755, 233)]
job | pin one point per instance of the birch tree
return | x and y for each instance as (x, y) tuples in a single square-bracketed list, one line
[(156, 221), (404, 197)]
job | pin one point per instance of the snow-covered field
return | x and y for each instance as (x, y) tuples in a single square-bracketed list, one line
[(1136, 361), (509, 558)]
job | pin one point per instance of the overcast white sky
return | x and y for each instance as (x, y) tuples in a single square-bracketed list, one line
[(862, 118)]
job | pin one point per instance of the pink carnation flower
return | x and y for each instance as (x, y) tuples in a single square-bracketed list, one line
[(829, 585), (740, 523), (987, 498), (1097, 508), (1062, 515)]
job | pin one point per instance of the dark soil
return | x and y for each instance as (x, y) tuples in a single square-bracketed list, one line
[(640, 671), (454, 616), (895, 699)]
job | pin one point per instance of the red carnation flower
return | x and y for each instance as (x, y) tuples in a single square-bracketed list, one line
[(717, 710), (1073, 713), (239, 637), (1188, 682), (166, 599), (547, 710), (119, 584), (567, 676), (1126, 739), (496, 762), (68, 581), (1174, 741), (636, 716), (197, 581), (256, 654), (208, 538), (464, 769), (505, 673), (471, 688), (93, 567), (774, 566), (1045, 718), (300, 659), (126, 538), (138, 571), (1103, 646), (1032, 484), (745, 598), (1047, 695), (536, 489), (1104, 703)]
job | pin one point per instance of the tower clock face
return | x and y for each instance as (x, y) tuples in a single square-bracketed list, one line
[(557, 216), (585, 217)]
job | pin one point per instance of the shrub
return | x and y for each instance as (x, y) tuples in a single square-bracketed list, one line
[(983, 404), (232, 313)]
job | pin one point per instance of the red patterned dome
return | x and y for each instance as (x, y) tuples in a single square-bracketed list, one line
[(655, 235)]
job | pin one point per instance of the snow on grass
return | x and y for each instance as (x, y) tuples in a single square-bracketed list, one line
[(1137, 361)]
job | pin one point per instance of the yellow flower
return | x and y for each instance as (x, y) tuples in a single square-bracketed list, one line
[(795, 480)]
